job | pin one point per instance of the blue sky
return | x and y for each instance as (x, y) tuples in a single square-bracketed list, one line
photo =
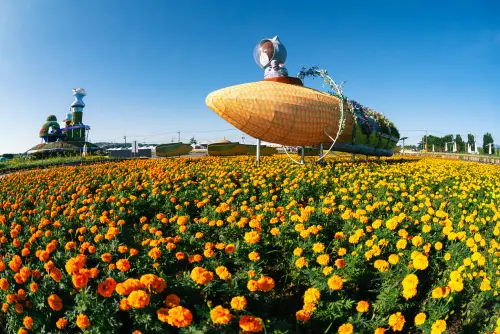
[(147, 66)]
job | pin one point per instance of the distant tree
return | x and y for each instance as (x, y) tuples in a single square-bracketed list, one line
[(192, 141), (471, 141), (460, 143), (488, 139)]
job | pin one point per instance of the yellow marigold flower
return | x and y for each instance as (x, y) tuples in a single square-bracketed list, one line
[(393, 259), (275, 231), (238, 303), (381, 265), (327, 271), (301, 262), (323, 259), (298, 251), (438, 327), (410, 281), (401, 244), (447, 257), (254, 256), (409, 293), (362, 306), (311, 296), (318, 247), (335, 282), (379, 331), (420, 262), (220, 315), (420, 319), (252, 285), (223, 273), (342, 251), (438, 246), (397, 322), (346, 329)]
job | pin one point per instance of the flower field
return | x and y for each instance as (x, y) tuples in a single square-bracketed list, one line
[(215, 245)]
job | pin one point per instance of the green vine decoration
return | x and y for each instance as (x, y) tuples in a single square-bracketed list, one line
[(386, 126)]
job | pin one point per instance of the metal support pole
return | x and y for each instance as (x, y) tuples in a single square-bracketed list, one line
[(257, 153), (321, 150), (366, 158), (302, 155), (378, 160), (353, 157)]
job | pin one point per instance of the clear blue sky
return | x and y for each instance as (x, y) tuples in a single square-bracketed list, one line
[(148, 65)]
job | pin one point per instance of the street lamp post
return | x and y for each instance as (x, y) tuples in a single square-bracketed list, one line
[(403, 139)]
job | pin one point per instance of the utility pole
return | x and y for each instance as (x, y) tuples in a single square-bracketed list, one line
[(125, 137), (179, 136)]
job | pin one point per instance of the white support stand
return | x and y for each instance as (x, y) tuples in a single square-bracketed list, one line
[(257, 154), (302, 155)]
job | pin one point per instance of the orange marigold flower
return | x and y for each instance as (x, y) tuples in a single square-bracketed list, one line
[(231, 248), (80, 280), (82, 321), (362, 306), (33, 287), (55, 302), (106, 257), (346, 329), (340, 263), (56, 274), (251, 324), (138, 299), (123, 265), (4, 284), (106, 287), (154, 253), (238, 303), (61, 323), (124, 305), (252, 237), (201, 275), (220, 315), (397, 321), (265, 283), (179, 317), (172, 300), (223, 273), (335, 282), (180, 256), (302, 315), (28, 322)]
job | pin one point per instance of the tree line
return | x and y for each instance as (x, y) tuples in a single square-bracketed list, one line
[(445, 143)]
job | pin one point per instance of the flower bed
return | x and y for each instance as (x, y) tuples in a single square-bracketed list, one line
[(215, 245)]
